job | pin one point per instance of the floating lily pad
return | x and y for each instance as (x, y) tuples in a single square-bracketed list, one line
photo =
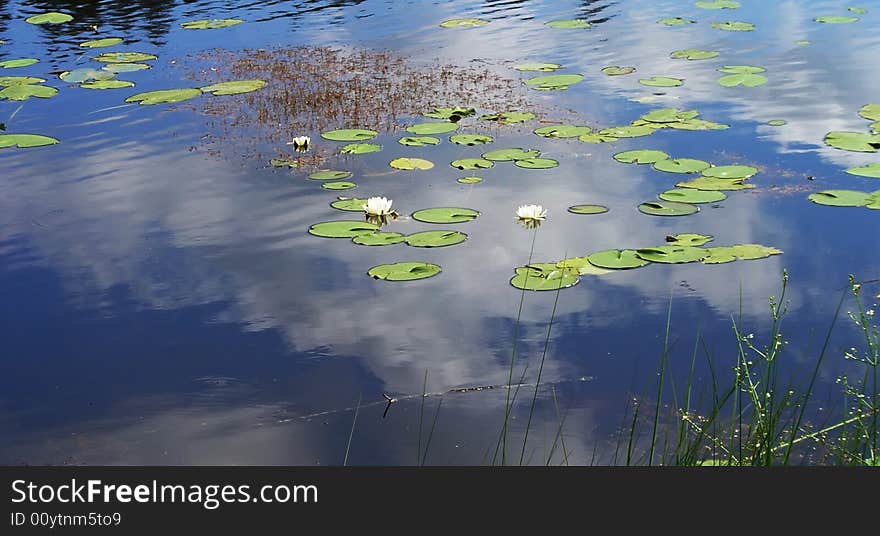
[(463, 23), (588, 209), (472, 163), (125, 57), (432, 128), (562, 131), (19, 80), (471, 139), (853, 141), (841, 198), (209, 24), (404, 271), (381, 238), (835, 19), (235, 87), (661, 81), (20, 62), (349, 134), (21, 92), (871, 112), (124, 67), (857, 10), (24, 141), (165, 96), (469, 180), (871, 170), (681, 165), (418, 141), (724, 254), (875, 127), (281, 162), (85, 74), (746, 80), (718, 4), (554, 81), (360, 148), (734, 26), (338, 185), (582, 265), (595, 137), (694, 54), (342, 229), (445, 215), (802, 42), (688, 239), (669, 115), (509, 117), (672, 254), (450, 114), (536, 163), (675, 21), (568, 23), (542, 277), (506, 155), (409, 164), (715, 184), (668, 208), (642, 156), (329, 175), (777, 122), (696, 124), (102, 43), (616, 259), (618, 70), (435, 239), (107, 84), (349, 204), (52, 17), (540, 67), (730, 172), (693, 196), (627, 131)]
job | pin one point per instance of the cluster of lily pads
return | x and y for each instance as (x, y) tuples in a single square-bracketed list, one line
[(678, 249), (864, 142)]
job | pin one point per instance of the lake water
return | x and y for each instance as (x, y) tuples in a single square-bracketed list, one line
[(162, 302)]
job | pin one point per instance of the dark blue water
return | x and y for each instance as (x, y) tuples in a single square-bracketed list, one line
[(162, 303)]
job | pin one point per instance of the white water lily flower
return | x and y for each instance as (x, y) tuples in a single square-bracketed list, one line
[(531, 212), (378, 206), (300, 143)]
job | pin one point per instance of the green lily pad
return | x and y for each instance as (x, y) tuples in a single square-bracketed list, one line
[(669, 115), (672, 254), (857, 10), (450, 114), (668, 208), (435, 239), (681, 165), (741, 69), (595, 137), (235, 87), (554, 81), (404, 271), (734, 26), (715, 185), (506, 155), (342, 229), (562, 131), (853, 141), (841, 198), (329, 175), (19, 80), (875, 127), (675, 21), (730, 172), (871, 112), (432, 128), (642, 156), (409, 164), (718, 4), (107, 84), (471, 139), (616, 259), (124, 67), (85, 74), (24, 141), (694, 54), (52, 17), (588, 209), (582, 265), (871, 170), (696, 124), (360, 148), (349, 204), (618, 70), (802, 42), (209, 24), (835, 19), (282, 162), (661, 81), (20, 62), (627, 131), (536, 163), (542, 277), (688, 239), (349, 134), (568, 23), (445, 215), (463, 23), (102, 43), (381, 238), (165, 96), (540, 67), (418, 141), (689, 195), (125, 57), (472, 163), (725, 254), (21, 92), (746, 80), (338, 185), (777, 122), (469, 180), (509, 117)]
